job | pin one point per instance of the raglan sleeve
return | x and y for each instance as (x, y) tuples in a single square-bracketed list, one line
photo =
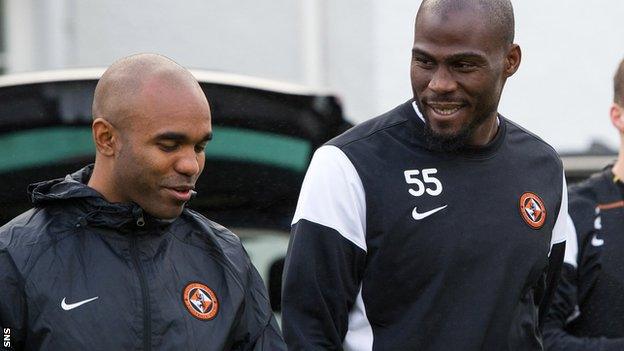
[(326, 254), (12, 303), (561, 231), (565, 305)]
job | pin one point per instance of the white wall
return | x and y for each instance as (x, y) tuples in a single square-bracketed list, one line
[(565, 85), (241, 36), (358, 48), (21, 28), (563, 89), (349, 49)]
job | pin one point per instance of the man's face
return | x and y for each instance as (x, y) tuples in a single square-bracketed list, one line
[(162, 152), (458, 70)]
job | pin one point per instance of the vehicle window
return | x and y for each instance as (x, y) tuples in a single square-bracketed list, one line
[(263, 246), (49, 145), (267, 251), (34, 105)]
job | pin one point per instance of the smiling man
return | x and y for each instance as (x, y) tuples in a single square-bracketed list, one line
[(439, 225), (110, 258)]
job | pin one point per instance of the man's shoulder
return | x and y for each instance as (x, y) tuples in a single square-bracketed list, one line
[(587, 189), (205, 228), (529, 141), (204, 233), (372, 127), (585, 194), (30, 234), (27, 228), (584, 201)]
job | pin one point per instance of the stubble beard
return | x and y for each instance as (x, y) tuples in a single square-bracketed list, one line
[(451, 143)]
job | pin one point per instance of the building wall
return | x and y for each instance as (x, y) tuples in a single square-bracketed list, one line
[(235, 36), (350, 65), (357, 48), (564, 87)]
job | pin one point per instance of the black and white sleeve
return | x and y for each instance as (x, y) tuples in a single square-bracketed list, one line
[(565, 305), (326, 254), (561, 231)]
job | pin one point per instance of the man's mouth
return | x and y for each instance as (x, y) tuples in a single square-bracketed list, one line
[(182, 192), (445, 108)]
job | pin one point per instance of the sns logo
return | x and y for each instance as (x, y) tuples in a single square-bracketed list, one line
[(429, 184), (7, 337)]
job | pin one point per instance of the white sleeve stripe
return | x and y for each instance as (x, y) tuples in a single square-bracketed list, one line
[(359, 337), (558, 242), (332, 195), (562, 227), (571, 250)]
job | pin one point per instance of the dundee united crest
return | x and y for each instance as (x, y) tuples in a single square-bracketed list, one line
[(200, 301), (532, 210)]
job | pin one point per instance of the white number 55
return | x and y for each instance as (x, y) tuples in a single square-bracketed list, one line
[(411, 177)]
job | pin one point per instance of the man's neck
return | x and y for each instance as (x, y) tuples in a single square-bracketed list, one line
[(486, 132), (100, 184), (618, 167)]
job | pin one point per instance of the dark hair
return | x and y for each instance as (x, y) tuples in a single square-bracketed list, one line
[(618, 85)]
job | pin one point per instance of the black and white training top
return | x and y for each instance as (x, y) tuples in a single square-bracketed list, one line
[(398, 247), (587, 312)]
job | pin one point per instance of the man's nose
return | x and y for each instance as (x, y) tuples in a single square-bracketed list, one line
[(189, 163), (442, 81)]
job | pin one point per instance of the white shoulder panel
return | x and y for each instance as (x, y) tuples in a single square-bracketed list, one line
[(571, 249), (562, 225), (332, 195)]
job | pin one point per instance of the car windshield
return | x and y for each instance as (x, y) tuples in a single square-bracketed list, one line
[(256, 159), (267, 250), (50, 145)]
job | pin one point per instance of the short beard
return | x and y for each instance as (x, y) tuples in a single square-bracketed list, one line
[(452, 143), (447, 143)]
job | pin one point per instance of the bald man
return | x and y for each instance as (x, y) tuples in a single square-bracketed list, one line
[(439, 225), (109, 258)]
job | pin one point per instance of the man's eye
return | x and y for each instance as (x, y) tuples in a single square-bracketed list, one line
[(200, 148), (168, 147), (465, 66), (423, 62)]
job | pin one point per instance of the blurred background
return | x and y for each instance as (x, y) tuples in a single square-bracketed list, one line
[(306, 70), (358, 49)]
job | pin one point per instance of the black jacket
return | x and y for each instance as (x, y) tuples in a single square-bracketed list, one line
[(587, 313), (77, 273)]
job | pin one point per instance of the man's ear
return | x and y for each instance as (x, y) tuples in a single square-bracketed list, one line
[(512, 60), (104, 136), (617, 117)]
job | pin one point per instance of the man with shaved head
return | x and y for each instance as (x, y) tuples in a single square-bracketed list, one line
[(439, 225), (109, 258)]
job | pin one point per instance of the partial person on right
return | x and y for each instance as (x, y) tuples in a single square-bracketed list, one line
[(587, 313)]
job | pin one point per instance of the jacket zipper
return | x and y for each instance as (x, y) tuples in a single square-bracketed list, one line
[(147, 332)]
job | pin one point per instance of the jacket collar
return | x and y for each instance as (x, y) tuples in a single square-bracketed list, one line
[(93, 209)]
